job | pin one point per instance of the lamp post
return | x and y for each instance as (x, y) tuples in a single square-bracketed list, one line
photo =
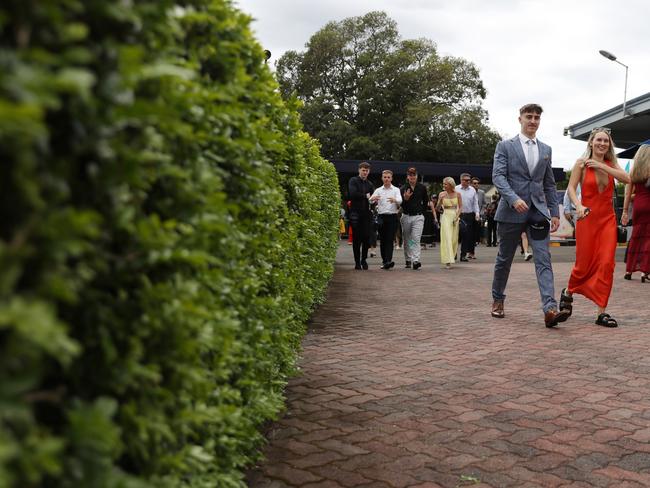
[(611, 57)]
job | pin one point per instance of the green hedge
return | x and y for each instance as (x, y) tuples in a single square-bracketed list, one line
[(166, 229)]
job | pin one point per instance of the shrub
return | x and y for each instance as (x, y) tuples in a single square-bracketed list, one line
[(166, 229)]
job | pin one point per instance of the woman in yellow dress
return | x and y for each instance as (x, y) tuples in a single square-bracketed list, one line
[(450, 200)]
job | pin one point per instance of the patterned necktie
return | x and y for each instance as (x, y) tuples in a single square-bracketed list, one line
[(531, 156)]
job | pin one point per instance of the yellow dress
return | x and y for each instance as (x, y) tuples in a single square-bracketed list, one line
[(448, 231)]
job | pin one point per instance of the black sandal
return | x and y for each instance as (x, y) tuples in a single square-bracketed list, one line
[(645, 278), (606, 320), (565, 302), (628, 276)]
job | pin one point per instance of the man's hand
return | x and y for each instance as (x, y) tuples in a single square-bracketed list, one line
[(520, 206), (478, 216), (569, 217), (555, 223), (407, 194)]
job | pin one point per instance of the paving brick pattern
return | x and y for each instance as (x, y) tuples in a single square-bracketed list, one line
[(408, 382)]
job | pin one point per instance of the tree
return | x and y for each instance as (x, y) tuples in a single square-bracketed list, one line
[(367, 93)]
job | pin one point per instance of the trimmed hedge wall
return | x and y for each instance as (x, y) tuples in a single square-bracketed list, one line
[(166, 229)]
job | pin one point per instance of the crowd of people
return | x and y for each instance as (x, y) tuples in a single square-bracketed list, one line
[(459, 215), (522, 213)]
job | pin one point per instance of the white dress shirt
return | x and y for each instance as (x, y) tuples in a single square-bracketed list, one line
[(524, 146), (383, 205), (469, 198)]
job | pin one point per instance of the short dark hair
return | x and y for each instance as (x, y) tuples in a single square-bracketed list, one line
[(476, 178), (411, 171), (531, 108), (363, 164)]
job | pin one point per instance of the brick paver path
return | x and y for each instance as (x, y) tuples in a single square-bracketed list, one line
[(408, 382)]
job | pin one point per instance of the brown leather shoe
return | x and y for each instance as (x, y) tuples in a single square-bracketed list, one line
[(497, 310), (553, 317)]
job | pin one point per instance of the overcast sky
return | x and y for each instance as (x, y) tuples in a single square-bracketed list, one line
[(527, 51)]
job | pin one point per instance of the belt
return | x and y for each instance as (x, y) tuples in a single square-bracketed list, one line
[(412, 214), (467, 213), (388, 214)]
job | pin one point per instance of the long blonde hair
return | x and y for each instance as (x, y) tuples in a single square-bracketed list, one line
[(610, 155), (641, 169)]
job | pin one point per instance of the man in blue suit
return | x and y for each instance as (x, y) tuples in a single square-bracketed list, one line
[(523, 175)]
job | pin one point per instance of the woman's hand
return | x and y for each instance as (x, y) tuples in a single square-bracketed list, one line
[(625, 219), (592, 163), (580, 212)]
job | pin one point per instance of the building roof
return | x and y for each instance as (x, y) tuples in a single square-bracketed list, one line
[(628, 129)]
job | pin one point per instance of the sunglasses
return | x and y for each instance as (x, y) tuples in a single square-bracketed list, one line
[(606, 130)]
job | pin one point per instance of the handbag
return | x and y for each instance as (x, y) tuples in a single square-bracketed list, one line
[(538, 225)]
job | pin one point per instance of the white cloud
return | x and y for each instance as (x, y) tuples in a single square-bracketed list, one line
[(529, 50)]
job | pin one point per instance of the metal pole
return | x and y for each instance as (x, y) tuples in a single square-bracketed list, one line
[(625, 93)]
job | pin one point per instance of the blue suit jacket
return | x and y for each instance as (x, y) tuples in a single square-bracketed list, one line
[(513, 180)]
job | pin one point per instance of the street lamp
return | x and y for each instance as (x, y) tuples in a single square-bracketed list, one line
[(611, 57)]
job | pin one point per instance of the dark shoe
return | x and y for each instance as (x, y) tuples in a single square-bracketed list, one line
[(364, 264), (566, 301), (357, 266), (417, 264), (471, 256), (553, 317), (391, 265), (628, 276), (463, 259), (606, 320), (408, 264), (384, 266), (497, 310), (644, 278)]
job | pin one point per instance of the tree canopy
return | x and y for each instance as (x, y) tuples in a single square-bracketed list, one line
[(369, 94)]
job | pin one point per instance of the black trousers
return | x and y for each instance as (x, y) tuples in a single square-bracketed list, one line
[(387, 236), (467, 242), (361, 236), (477, 231), (492, 232)]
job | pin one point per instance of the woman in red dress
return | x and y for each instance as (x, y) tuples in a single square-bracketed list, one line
[(593, 273), (638, 249)]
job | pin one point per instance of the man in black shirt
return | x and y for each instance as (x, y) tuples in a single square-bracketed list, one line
[(359, 192), (415, 202)]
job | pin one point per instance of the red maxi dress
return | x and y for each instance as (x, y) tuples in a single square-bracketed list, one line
[(638, 249), (593, 272)]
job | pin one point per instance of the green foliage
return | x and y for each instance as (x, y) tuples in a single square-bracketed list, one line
[(166, 229), (369, 94)]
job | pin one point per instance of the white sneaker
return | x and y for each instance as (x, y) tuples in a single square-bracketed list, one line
[(528, 256)]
